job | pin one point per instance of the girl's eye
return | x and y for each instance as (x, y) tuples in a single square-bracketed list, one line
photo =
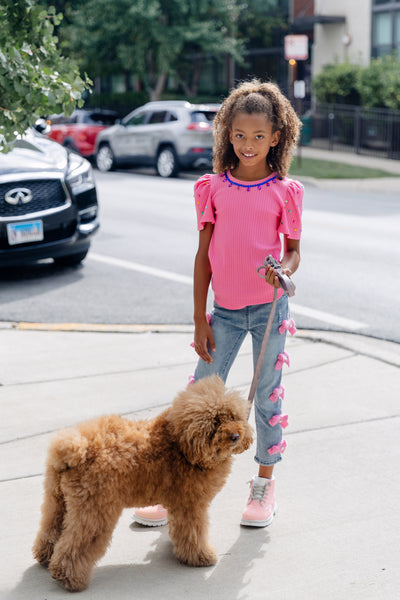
[(259, 137), (239, 136)]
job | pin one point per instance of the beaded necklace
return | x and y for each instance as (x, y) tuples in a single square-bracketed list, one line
[(248, 186)]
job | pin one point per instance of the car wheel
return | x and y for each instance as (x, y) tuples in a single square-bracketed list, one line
[(72, 260), (167, 162), (105, 158)]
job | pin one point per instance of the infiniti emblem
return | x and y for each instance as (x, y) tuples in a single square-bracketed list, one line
[(18, 196)]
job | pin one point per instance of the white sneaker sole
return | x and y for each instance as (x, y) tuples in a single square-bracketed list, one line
[(149, 522), (263, 523)]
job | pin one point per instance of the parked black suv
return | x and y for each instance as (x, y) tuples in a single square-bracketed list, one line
[(48, 203)]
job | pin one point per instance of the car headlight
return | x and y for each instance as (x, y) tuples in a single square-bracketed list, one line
[(80, 174)]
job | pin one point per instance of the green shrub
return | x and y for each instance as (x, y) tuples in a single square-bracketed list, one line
[(123, 102), (337, 84), (379, 84)]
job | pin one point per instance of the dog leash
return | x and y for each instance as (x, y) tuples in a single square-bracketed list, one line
[(289, 288)]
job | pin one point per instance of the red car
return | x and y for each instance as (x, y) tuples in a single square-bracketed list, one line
[(79, 131)]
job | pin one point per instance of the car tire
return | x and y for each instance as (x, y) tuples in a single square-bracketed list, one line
[(71, 260), (105, 160), (167, 163)]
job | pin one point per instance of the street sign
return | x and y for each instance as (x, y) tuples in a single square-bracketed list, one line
[(296, 47), (299, 89)]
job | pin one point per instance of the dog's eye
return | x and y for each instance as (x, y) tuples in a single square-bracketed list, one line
[(217, 422)]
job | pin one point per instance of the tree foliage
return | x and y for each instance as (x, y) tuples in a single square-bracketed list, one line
[(35, 80), (152, 39), (337, 84), (263, 22), (377, 85)]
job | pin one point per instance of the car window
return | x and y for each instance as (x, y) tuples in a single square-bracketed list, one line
[(99, 119), (201, 116), (158, 116), (57, 120), (137, 119), (171, 117)]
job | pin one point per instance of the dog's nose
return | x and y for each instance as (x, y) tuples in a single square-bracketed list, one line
[(235, 437)]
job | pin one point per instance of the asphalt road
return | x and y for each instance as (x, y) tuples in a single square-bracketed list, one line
[(139, 269)]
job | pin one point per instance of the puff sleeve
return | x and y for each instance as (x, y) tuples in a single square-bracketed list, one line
[(203, 201), (290, 224)]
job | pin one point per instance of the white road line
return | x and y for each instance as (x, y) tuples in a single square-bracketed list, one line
[(133, 266), (304, 311), (325, 317)]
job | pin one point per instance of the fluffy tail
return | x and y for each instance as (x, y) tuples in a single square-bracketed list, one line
[(67, 450)]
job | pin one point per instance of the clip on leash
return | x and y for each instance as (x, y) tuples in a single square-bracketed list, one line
[(289, 288)]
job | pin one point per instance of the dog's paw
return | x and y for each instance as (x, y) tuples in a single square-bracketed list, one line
[(42, 552), (207, 558), (68, 582), (202, 558)]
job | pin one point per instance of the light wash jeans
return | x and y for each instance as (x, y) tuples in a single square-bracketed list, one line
[(230, 327)]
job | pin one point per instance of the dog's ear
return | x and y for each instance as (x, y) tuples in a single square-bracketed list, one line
[(194, 419)]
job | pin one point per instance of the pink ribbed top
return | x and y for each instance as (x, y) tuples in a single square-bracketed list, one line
[(248, 218)]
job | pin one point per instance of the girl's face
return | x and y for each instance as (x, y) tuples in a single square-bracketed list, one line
[(251, 137)]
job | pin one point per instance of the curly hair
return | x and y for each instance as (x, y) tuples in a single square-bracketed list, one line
[(256, 97)]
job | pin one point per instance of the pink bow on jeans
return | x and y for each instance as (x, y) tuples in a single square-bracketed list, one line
[(282, 419), (279, 392), (288, 325), (283, 358), (281, 447)]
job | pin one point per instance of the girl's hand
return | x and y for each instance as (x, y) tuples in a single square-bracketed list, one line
[(272, 278), (203, 338)]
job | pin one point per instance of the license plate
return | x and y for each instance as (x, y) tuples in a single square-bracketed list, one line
[(21, 233)]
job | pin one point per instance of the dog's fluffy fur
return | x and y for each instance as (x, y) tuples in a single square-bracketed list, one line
[(180, 459)]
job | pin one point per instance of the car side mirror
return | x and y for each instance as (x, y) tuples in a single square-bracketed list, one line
[(42, 126)]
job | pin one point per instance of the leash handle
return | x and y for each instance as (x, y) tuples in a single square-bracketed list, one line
[(286, 283)]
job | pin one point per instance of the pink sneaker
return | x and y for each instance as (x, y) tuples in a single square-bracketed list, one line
[(152, 516), (261, 506)]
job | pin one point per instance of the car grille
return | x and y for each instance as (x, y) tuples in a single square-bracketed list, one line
[(46, 194)]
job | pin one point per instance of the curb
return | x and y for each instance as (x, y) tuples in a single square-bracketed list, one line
[(98, 327), (377, 349), (383, 350)]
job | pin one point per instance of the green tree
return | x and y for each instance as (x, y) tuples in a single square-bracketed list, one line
[(263, 22), (35, 80), (379, 83), (153, 39)]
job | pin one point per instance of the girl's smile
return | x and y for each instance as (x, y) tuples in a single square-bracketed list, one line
[(252, 137)]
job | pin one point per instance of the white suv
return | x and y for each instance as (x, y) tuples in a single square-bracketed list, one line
[(168, 135)]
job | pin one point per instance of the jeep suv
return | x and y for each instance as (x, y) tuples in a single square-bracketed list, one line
[(168, 135)]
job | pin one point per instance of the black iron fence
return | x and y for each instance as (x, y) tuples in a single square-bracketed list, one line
[(374, 131)]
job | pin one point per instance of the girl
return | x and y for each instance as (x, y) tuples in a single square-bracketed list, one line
[(241, 211)]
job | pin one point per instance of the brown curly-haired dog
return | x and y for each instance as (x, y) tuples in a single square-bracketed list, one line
[(180, 459)]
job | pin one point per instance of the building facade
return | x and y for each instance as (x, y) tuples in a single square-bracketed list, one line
[(341, 31)]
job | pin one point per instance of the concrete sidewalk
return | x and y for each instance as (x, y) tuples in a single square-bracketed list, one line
[(338, 487)]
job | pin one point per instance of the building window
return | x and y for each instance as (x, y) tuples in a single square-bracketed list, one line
[(385, 27)]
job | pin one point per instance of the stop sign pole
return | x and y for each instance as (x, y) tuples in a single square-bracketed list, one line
[(296, 48)]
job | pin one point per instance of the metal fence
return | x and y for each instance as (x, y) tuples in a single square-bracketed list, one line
[(373, 132)]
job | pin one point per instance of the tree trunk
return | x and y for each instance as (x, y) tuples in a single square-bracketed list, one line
[(155, 93)]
